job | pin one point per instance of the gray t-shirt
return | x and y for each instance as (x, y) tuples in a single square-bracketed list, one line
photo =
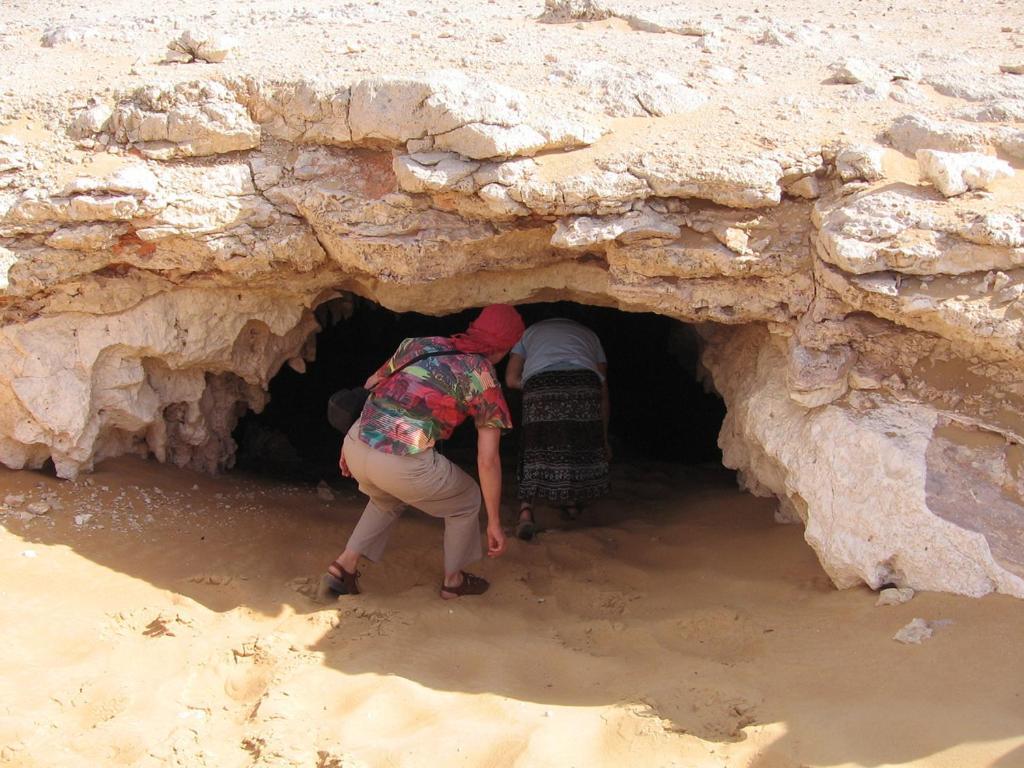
[(559, 345)]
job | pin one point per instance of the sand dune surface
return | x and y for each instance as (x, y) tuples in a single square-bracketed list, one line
[(677, 624)]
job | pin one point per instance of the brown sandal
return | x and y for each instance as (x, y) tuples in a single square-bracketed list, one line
[(526, 528), (471, 585), (333, 585)]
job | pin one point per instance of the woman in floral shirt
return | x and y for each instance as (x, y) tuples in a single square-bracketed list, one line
[(426, 389)]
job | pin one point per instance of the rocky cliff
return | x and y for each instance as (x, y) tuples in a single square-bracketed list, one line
[(860, 293)]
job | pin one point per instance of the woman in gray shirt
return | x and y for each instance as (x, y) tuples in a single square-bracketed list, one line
[(562, 370)]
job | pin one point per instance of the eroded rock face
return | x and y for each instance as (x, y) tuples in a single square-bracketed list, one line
[(871, 476), (863, 328)]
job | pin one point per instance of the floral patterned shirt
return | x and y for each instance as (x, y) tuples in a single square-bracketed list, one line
[(424, 402)]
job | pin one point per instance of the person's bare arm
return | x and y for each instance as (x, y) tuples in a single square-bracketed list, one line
[(488, 463), (514, 371), (606, 407)]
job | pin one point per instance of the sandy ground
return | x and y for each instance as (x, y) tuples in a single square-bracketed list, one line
[(680, 627)]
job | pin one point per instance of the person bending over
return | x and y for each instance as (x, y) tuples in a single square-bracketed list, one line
[(390, 449), (564, 452)]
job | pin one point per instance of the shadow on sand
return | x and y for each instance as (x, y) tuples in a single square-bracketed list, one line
[(678, 596)]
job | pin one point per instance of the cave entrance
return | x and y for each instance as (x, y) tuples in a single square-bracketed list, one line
[(660, 411)]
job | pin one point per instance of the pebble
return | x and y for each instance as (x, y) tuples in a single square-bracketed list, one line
[(55, 36), (200, 45), (38, 508), (324, 492), (916, 632), (894, 596)]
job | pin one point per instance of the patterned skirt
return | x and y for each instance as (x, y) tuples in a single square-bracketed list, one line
[(562, 458)]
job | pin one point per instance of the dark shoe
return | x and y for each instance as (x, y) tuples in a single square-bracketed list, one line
[(332, 587), (570, 512), (471, 585), (526, 530)]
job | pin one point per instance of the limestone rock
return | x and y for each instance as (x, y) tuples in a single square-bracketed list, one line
[(12, 156), (903, 231), (869, 513), (38, 508), (860, 162), (587, 232), (955, 173), (970, 320), (86, 237), (65, 35), (475, 118), (894, 596), (971, 85), (7, 260), (817, 377), (1011, 142), (563, 11), (769, 251), (868, 344), (628, 92), (482, 141), (113, 357), (200, 45), (304, 112), (666, 21), (911, 133), (91, 121), (265, 173), (435, 172), (641, 19), (597, 192), (188, 120), (914, 633), (997, 110), (807, 187), (781, 33), (324, 492), (135, 179), (853, 71), (748, 184), (499, 202)]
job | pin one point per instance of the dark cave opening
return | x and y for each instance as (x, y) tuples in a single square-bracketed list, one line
[(660, 411)]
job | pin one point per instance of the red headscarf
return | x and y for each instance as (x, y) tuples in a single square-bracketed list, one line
[(497, 329)]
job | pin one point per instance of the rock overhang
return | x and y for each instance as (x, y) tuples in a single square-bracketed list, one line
[(169, 290)]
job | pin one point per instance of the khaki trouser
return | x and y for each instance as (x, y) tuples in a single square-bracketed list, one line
[(427, 481)]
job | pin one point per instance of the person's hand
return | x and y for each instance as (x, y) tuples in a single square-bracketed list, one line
[(496, 543), (607, 450), (343, 465)]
